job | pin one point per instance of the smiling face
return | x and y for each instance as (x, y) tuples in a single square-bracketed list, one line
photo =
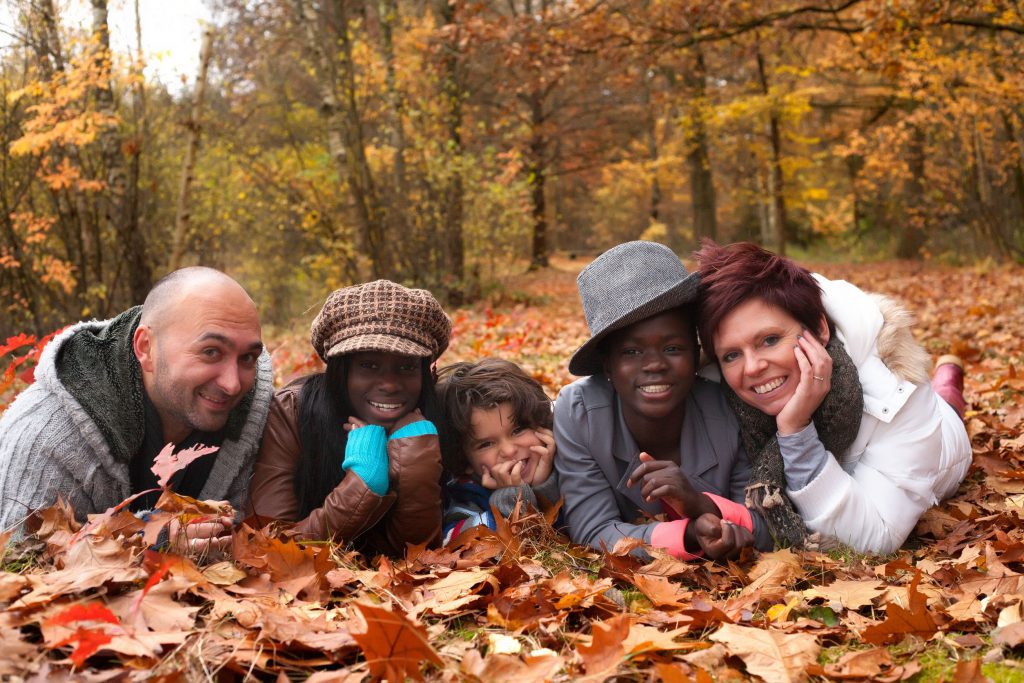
[(383, 387), (495, 438), (199, 359), (651, 365), (755, 345)]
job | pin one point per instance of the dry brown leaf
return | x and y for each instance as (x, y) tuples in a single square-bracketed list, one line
[(776, 657), (773, 572), (606, 649), (223, 573), (661, 591), (850, 594), (899, 621), (503, 668), (394, 647)]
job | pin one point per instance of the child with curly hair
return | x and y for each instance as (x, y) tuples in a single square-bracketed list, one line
[(496, 443)]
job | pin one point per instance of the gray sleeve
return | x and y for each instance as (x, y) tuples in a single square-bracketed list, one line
[(31, 471), (591, 512), (739, 478), (548, 489), (803, 457)]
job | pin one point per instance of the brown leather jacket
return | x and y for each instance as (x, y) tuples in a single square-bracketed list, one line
[(410, 512)]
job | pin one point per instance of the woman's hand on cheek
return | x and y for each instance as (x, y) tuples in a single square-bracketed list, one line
[(664, 480), (546, 451), (815, 381), (719, 538)]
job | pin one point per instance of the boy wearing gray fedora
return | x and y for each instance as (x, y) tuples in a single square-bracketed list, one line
[(641, 434)]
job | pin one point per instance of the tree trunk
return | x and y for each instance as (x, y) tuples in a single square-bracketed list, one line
[(702, 183), (536, 170), (331, 46), (194, 126), (913, 235), (651, 135), (777, 202), (452, 211)]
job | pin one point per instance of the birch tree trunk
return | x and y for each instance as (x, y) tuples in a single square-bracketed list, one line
[(188, 169)]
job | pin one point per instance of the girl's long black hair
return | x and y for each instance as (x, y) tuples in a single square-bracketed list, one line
[(324, 408)]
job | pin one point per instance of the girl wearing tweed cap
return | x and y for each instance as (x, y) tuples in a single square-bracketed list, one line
[(351, 454), (642, 434), (848, 440)]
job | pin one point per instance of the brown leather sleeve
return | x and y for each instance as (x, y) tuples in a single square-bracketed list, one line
[(415, 471), (348, 511)]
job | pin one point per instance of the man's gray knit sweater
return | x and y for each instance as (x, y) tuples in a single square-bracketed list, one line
[(50, 446)]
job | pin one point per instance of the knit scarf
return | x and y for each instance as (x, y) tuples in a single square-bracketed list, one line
[(837, 421)]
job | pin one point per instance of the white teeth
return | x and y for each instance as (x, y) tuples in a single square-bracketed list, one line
[(655, 388), (765, 388), (386, 406)]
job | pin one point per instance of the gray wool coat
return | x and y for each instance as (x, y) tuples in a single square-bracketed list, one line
[(596, 454), (49, 446)]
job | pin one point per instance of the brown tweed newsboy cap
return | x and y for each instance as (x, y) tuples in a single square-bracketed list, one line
[(381, 316)]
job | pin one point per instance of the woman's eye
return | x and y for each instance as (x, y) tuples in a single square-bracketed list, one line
[(771, 340), (211, 352), (730, 357), (408, 369), (367, 365)]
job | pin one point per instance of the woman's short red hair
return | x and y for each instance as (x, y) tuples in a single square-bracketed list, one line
[(732, 274)]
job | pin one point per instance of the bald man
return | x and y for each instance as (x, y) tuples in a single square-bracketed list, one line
[(187, 367)]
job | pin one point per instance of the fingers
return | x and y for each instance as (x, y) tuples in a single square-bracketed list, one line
[(353, 423), (487, 479), (646, 457), (507, 473)]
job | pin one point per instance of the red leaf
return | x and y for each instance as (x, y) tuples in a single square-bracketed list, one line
[(88, 640), (92, 611), (167, 462)]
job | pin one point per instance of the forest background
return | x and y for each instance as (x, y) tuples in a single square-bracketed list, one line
[(442, 144), (453, 146)]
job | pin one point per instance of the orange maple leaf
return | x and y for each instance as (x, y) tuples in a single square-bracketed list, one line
[(394, 647)]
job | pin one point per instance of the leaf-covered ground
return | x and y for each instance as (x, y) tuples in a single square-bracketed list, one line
[(522, 605)]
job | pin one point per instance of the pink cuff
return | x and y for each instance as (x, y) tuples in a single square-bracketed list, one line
[(733, 512), (669, 536)]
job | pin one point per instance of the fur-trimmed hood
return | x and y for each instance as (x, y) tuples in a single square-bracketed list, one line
[(897, 347)]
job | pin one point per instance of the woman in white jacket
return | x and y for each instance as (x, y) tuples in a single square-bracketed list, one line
[(835, 407)]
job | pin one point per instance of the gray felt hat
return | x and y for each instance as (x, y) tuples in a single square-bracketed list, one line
[(624, 285)]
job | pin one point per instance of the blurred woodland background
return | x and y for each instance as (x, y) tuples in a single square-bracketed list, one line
[(441, 143)]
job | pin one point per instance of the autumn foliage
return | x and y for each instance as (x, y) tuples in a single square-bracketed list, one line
[(521, 604)]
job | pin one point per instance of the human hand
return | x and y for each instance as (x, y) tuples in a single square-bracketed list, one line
[(206, 537), (719, 538), (546, 451), (815, 383), (507, 473), (353, 423), (413, 415), (665, 480)]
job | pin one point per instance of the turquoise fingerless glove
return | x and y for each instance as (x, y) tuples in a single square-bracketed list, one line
[(366, 454), (418, 428)]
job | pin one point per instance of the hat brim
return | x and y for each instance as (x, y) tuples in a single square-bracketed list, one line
[(379, 342), (587, 359)]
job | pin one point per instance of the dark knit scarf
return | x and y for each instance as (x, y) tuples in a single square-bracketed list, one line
[(99, 368), (837, 421)]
